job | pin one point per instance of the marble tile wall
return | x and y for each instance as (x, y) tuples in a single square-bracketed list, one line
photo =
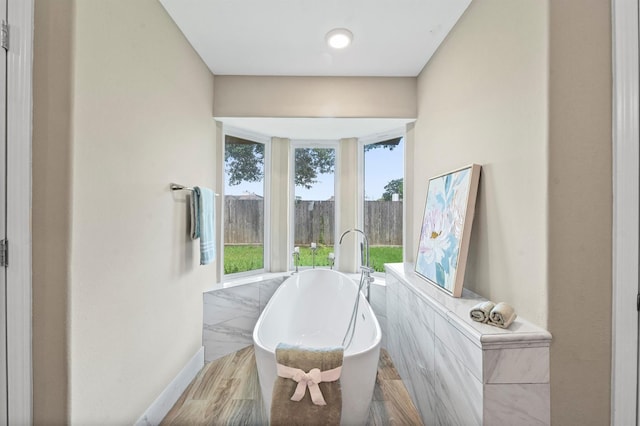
[(410, 343), (516, 365), (522, 404), (458, 392), (469, 354), (459, 372), (230, 314), (378, 301)]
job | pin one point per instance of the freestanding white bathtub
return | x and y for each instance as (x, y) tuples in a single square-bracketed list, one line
[(313, 309)]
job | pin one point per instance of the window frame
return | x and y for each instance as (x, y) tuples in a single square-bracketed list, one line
[(293, 145), (266, 182), (319, 143), (368, 140)]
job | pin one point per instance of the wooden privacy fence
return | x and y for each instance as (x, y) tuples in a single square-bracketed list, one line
[(315, 222), (243, 221)]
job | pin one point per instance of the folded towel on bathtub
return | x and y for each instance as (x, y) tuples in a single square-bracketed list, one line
[(481, 311), (502, 315), (307, 377)]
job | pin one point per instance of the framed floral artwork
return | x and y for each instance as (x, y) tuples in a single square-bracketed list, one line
[(446, 228)]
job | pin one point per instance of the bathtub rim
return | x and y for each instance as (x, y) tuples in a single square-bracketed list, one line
[(239, 280), (377, 340)]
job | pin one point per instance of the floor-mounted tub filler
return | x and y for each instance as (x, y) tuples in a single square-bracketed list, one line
[(313, 309)]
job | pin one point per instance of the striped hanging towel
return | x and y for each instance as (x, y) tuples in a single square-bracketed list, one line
[(206, 210)]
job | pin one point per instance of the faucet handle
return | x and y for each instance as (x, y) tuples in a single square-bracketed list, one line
[(367, 269)]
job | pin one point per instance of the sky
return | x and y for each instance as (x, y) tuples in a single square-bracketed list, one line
[(381, 167)]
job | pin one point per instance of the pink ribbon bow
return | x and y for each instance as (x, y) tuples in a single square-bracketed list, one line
[(309, 380)]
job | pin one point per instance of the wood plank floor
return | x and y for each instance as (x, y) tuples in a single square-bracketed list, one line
[(227, 392)]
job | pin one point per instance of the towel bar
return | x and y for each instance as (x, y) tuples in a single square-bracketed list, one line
[(178, 187)]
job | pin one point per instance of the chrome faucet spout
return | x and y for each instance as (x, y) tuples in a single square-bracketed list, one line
[(365, 278), (365, 249)]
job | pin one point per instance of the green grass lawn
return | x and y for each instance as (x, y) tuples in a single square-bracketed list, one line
[(241, 258), (384, 254)]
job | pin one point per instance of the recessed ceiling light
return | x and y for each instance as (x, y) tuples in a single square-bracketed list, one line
[(339, 38)]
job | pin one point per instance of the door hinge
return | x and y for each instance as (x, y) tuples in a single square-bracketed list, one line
[(638, 302), (4, 35), (4, 253)]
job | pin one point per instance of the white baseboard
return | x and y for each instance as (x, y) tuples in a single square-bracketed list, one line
[(163, 403)]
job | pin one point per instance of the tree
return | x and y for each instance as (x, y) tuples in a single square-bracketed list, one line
[(310, 162), (393, 187), (244, 162), (391, 144)]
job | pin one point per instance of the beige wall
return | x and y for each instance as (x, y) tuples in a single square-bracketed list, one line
[(525, 89), (279, 203), (483, 99), (359, 97), (348, 256), (411, 204), (140, 116), (219, 188), (51, 218), (580, 211)]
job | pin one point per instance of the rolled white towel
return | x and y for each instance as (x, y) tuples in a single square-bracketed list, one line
[(481, 311), (502, 315)]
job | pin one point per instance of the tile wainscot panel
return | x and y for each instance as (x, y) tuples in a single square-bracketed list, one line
[(460, 372)]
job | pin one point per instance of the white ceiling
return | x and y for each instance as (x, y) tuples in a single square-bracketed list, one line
[(392, 38), (287, 37)]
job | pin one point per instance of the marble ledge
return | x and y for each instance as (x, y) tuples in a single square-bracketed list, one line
[(521, 333), (241, 280)]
